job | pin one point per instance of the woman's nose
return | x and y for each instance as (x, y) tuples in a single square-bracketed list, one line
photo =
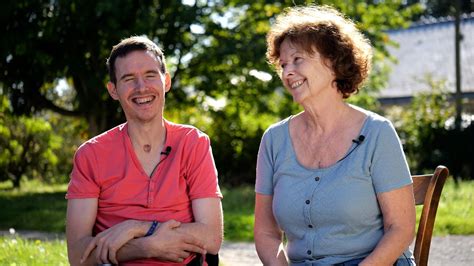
[(287, 71)]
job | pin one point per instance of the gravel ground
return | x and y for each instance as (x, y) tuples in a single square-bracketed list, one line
[(446, 250)]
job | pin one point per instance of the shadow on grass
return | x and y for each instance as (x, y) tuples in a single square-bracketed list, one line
[(43, 211)]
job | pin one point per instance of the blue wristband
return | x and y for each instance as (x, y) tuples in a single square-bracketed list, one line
[(153, 226)]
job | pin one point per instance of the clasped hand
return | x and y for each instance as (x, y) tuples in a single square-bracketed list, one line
[(166, 244)]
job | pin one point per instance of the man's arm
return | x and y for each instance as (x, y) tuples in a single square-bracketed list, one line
[(208, 224), (127, 237), (80, 220)]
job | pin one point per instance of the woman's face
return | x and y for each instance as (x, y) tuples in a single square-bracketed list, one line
[(305, 75)]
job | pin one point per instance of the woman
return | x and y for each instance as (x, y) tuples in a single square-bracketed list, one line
[(333, 178)]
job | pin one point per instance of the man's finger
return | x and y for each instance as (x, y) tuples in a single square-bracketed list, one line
[(194, 249), (113, 256), (88, 250)]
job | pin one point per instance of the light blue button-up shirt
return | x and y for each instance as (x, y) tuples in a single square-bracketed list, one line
[(331, 215)]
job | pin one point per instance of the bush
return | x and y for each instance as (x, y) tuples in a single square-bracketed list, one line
[(34, 147), (428, 134)]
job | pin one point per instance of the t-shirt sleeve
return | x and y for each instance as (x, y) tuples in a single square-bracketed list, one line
[(201, 170), (389, 168), (82, 183), (265, 162)]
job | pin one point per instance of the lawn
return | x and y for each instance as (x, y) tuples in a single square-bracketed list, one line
[(40, 207)]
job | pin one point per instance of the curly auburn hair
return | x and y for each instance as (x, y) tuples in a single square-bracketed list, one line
[(325, 30)]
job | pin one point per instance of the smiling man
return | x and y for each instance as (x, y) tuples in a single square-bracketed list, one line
[(145, 192)]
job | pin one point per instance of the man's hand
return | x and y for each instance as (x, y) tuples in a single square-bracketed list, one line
[(168, 244), (109, 241)]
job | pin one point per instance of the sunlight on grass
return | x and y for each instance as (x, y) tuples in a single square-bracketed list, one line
[(456, 211), (238, 204), (18, 251), (42, 207)]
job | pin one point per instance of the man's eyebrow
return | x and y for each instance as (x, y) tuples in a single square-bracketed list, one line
[(124, 76), (151, 72)]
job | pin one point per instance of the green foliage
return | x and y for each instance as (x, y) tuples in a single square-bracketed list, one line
[(429, 135), (422, 126), (33, 148), (215, 49), (234, 50), (18, 251)]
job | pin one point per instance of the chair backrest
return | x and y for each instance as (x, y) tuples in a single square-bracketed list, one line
[(427, 190)]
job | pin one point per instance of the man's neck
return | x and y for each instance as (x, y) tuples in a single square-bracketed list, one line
[(147, 137)]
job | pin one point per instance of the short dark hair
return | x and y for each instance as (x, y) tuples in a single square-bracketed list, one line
[(128, 45), (335, 37)]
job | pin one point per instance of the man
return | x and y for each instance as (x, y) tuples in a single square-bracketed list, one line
[(146, 191)]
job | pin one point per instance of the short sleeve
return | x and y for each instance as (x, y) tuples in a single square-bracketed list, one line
[(83, 176), (265, 162), (201, 170), (389, 168)]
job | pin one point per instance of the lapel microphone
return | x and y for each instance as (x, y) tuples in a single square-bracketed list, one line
[(357, 141), (167, 151)]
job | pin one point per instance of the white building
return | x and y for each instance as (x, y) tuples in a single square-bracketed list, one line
[(429, 49)]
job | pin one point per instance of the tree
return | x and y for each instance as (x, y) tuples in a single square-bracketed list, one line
[(442, 8), (45, 40), (216, 54)]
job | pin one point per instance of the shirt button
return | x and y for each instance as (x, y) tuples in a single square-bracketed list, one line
[(316, 178), (310, 226), (307, 201), (308, 252)]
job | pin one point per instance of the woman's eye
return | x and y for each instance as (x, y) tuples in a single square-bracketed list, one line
[(298, 59)]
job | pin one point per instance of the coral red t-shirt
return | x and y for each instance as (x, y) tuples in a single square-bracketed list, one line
[(106, 167)]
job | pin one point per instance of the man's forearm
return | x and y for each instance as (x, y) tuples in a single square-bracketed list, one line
[(133, 250), (211, 235), (76, 249)]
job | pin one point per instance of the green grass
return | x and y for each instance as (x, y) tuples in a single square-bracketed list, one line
[(43, 207), (455, 214), (17, 251), (238, 205), (34, 207)]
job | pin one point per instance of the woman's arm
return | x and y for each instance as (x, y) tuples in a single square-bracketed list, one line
[(399, 218), (268, 235)]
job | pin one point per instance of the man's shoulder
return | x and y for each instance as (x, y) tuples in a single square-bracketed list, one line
[(106, 140), (184, 130)]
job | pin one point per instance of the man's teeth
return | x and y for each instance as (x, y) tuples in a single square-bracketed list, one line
[(144, 100), (296, 84)]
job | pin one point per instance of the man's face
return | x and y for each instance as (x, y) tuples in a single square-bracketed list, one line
[(140, 86)]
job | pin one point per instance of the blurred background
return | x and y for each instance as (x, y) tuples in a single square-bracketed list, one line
[(53, 96), (53, 76)]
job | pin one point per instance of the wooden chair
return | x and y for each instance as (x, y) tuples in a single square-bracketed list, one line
[(427, 190)]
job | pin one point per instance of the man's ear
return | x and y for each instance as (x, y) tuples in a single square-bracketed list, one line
[(112, 90), (167, 82)]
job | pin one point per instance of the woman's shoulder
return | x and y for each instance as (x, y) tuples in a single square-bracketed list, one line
[(280, 127), (374, 120)]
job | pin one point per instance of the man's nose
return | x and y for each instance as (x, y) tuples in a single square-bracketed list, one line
[(139, 83)]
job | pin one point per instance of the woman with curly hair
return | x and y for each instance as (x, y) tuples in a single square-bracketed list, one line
[(333, 179)]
